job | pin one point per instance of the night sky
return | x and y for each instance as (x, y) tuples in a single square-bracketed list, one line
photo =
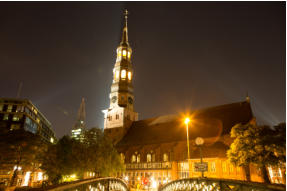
[(187, 55)]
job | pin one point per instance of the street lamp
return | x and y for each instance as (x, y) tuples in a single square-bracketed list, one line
[(199, 141), (187, 121)]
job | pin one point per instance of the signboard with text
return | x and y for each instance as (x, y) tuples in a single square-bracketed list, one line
[(200, 167)]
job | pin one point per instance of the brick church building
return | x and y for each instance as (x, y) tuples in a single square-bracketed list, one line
[(156, 148)]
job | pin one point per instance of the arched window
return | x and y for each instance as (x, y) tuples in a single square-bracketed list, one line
[(119, 54), (129, 55), (133, 159), (129, 75), (123, 74), (165, 157), (122, 157), (138, 158), (124, 53), (148, 157)]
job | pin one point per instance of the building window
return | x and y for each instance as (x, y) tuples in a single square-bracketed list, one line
[(133, 159), (152, 157), (14, 127), (148, 157), (119, 54), (16, 118), (124, 53), (9, 109), (212, 167), (122, 157), (129, 75), (138, 158), (117, 116), (1, 107), (20, 108), (223, 166), (165, 157), (129, 55), (6, 117), (123, 74), (238, 168)]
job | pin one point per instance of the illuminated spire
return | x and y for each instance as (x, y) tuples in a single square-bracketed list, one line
[(124, 41)]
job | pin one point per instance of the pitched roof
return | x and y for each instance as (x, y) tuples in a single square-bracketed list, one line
[(209, 122)]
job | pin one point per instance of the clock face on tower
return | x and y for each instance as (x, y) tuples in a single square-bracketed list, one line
[(114, 99), (130, 100)]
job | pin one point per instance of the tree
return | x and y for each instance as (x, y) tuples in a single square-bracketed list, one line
[(258, 145), (21, 149), (95, 153)]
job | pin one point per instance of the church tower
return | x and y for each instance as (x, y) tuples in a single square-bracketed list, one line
[(121, 114)]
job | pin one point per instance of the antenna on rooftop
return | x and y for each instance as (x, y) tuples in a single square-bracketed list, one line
[(19, 89)]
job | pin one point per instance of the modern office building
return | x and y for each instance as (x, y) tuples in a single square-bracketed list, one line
[(23, 114), (79, 127)]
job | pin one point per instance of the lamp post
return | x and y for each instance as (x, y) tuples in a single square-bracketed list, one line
[(187, 121), (199, 141)]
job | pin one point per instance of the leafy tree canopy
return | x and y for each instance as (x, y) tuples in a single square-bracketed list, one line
[(259, 145), (69, 156)]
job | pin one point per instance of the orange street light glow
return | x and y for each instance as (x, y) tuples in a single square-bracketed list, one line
[(187, 120)]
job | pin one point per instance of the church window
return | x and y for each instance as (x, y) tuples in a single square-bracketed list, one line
[(123, 74), (129, 55), (122, 157), (138, 158), (124, 53), (117, 116), (133, 159), (153, 157), (165, 157), (148, 157), (223, 166), (119, 54), (212, 167), (129, 75)]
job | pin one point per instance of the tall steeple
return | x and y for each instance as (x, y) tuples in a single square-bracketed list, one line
[(80, 125), (125, 41), (120, 115)]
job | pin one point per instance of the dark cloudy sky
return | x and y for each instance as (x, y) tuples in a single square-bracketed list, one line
[(186, 55)]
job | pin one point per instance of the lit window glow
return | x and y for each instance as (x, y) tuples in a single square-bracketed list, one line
[(123, 74), (26, 179), (119, 54), (129, 75), (129, 55), (124, 53), (40, 176)]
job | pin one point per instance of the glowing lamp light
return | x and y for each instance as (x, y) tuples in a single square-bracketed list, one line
[(154, 184), (126, 178), (187, 120)]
